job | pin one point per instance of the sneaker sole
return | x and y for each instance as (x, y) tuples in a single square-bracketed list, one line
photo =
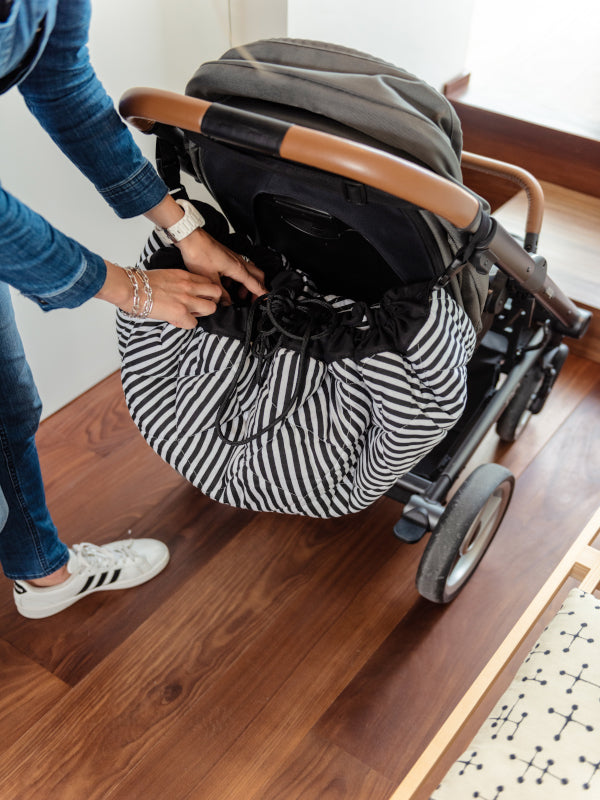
[(50, 610)]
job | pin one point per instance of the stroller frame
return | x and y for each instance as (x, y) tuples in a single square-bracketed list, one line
[(524, 344)]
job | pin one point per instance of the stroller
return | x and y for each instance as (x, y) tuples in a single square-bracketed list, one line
[(348, 170)]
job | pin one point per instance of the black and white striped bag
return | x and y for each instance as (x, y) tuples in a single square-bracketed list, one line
[(299, 403)]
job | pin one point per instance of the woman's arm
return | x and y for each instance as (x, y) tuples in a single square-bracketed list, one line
[(57, 272), (69, 101), (66, 97)]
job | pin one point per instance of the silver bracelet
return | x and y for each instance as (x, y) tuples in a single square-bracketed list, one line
[(133, 273), (148, 302), (135, 309)]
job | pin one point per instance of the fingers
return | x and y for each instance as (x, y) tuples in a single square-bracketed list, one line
[(202, 308), (179, 297), (206, 257), (255, 271), (199, 297), (259, 277), (248, 274), (200, 286), (186, 317)]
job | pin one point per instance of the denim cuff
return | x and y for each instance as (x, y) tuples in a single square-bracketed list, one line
[(87, 283), (137, 194)]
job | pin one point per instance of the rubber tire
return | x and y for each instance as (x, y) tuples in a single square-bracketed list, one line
[(510, 424), (456, 526), (562, 352)]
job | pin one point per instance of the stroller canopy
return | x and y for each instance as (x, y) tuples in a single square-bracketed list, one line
[(372, 98), (352, 94)]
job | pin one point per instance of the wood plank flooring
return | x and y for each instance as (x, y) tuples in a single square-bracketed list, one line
[(569, 241), (276, 658)]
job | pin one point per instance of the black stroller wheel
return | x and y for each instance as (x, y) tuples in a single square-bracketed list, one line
[(518, 412), (464, 532)]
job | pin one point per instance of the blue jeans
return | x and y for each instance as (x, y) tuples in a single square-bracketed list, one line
[(67, 98), (29, 543)]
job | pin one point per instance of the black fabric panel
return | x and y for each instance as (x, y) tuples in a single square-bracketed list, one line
[(5, 7), (238, 127), (393, 326), (403, 248), (392, 323)]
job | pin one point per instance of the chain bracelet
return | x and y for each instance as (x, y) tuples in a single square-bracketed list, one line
[(135, 309), (148, 302), (133, 273)]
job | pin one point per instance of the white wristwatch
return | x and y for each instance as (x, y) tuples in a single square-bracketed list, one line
[(191, 220)]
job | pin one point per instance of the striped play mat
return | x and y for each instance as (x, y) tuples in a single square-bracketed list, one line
[(299, 403)]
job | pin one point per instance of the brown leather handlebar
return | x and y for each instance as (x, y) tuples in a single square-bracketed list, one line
[(535, 194), (143, 107), (403, 179)]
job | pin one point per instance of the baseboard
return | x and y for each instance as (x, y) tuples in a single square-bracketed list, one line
[(497, 191), (551, 155), (456, 87)]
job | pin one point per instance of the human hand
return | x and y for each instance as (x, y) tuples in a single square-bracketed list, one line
[(204, 256), (178, 296)]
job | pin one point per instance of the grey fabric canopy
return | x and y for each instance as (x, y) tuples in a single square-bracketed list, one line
[(370, 96), (375, 102)]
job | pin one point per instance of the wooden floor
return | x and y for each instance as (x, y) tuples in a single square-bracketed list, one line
[(569, 240), (276, 657)]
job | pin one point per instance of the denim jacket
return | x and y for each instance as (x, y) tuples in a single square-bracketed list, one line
[(61, 89)]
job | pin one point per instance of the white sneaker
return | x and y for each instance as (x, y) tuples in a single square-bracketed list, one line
[(118, 565)]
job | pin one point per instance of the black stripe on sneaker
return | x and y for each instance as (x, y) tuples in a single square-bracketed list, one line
[(101, 580), (20, 589), (115, 576), (87, 584)]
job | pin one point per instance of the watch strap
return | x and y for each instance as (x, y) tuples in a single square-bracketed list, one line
[(191, 220)]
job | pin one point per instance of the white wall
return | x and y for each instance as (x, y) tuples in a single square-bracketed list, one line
[(426, 37), (257, 19)]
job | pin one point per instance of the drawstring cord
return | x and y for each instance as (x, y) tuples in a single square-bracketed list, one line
[(292, 316)]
